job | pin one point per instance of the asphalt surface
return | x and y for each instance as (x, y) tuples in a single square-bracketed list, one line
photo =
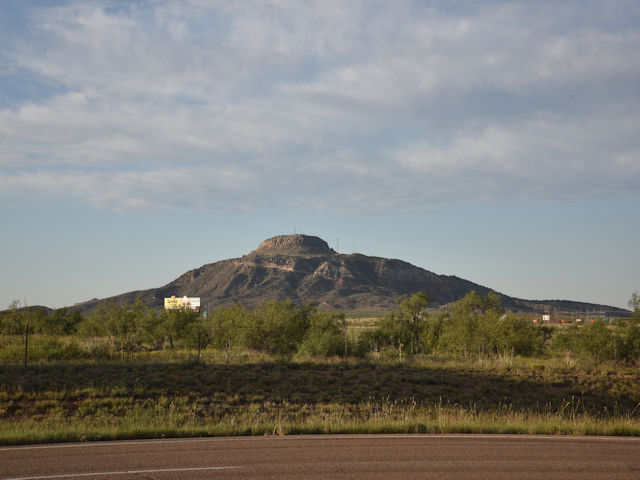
[(457, 457)]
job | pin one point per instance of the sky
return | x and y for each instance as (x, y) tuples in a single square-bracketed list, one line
[(498, 141)]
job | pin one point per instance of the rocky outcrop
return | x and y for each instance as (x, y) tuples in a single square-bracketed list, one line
[(294, 245)]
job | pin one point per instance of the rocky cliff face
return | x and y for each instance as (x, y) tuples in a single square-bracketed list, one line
[(294, 245), (305, 269)]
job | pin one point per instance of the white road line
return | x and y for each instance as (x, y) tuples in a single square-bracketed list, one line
[(98, 474)]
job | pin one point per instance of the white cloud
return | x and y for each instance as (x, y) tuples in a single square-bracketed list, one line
[(354, 106)]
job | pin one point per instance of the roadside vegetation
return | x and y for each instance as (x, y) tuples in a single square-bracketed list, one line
[(130, 372)]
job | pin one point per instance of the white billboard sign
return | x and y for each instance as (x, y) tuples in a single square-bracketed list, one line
[(185, 303)]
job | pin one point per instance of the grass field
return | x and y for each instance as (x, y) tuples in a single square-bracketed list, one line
[(117, 400)]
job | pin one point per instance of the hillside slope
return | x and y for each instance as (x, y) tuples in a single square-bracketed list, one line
[(305, 269)]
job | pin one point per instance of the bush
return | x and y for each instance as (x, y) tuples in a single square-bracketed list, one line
[(225, 327), (41, 348), (367, 342), (596, 341), (324, 337), (278, 328), (53, 349)]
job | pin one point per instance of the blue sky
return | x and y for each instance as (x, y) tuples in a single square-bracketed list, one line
[(495, 141)]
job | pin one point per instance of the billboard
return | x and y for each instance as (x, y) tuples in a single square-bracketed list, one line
[(186, 303)]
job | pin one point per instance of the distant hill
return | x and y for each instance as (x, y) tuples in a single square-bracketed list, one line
[(305, 269)]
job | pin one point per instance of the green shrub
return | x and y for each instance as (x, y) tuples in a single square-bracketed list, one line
[(278, 328), (324, 337), (53, 349)]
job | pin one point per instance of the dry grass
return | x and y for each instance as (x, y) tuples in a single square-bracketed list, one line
[(142, 400)]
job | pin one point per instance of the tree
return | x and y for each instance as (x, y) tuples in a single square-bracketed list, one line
[(16, 322), (628, 334), (472, 325), (595, 339), (369, 341), (404, 326), (180, 327), (324, 337), (278, 327), (13, 320), (431, 331), (153, 332), (566, 340), (627, 337), (123, 324), (225, 326), (518, 336), (394, 332), (634, 304), (62, 322), (411, 313)]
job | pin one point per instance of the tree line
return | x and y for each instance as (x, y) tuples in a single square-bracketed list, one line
[(475, 328)]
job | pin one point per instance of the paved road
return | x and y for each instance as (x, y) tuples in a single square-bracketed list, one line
[(493, 457)]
